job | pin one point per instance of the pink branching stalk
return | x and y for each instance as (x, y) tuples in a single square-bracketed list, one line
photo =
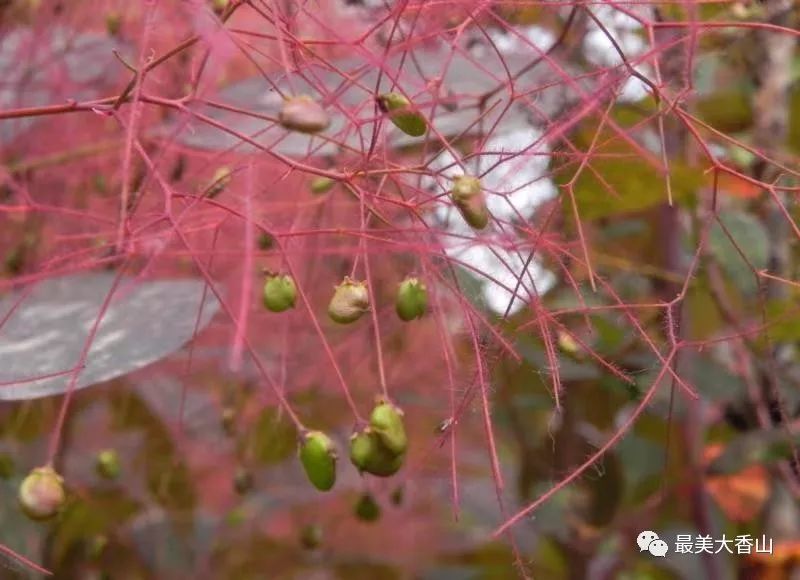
[(577, 118)]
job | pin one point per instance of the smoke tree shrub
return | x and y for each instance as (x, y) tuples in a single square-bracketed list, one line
[(596, 200)]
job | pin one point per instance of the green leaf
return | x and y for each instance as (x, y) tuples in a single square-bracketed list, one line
[(642, 570), (98, 511), (605, 491), (641, 459), (65, 309), (729, 112), (611, 334), (552, 561), (624, 229), (783, 317), (361, 570), (493, 561), (325, 410), (794, 119), (751, 243), (27, 421), (711, 379), (453, 572), (272, 439), (247, 557), (619, 182), (750, 448), (703, 318), (7, 466), (168, 477)]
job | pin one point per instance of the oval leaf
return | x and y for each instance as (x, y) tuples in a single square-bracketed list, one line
[(46, 332)]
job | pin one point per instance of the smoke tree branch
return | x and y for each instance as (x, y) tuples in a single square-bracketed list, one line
[(674, 72)]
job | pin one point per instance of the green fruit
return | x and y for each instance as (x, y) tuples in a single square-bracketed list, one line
[(402, 114), (318, 456), (467, 194), (362, 448), (387, 421), (41, 493), (113, 23), (107, 464), (569, 345), (303, 114), (311, 536), (350, 301), (236, 516), (465, 187), (320, 185), (367, 509), (265, 241), (370, 455), (242, 481), (280, 293), (412, 299), (219, 6), (15, 260)]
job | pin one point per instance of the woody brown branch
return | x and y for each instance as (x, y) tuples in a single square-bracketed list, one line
[(676, 72), (771, 73)]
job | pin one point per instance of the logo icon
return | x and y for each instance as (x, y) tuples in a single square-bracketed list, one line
[(650, 542)]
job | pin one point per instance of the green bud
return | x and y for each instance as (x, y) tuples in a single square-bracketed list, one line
[(362, 447), (280, 293), (15, 260), (113, 23), (107, 464), (370, 455), (303, 114), (265, 241), (402, 114), (311, 536), (219, 6), (468, 197), (320, 185), (367, 509), (318, 456), (412, 299), (387, 421), (569, 345), (350, 301), (41, 493)]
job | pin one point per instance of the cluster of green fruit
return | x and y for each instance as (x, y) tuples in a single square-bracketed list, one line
[(305, 115), (378, 449), (350, 299)]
